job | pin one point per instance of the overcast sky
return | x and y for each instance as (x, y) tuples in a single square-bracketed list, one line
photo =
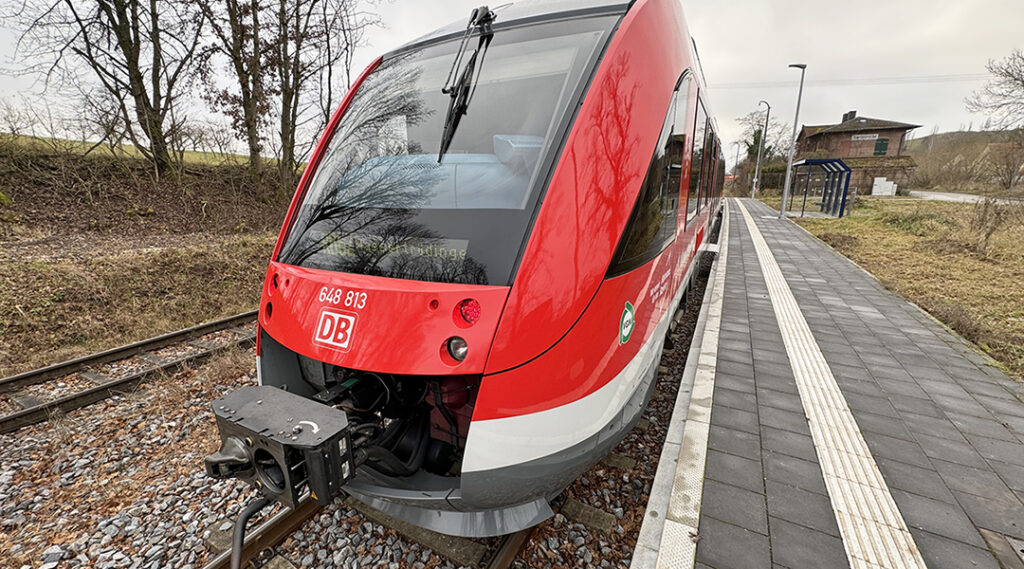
[(746, 44)]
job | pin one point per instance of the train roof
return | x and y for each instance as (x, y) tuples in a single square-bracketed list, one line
[(526, 11)]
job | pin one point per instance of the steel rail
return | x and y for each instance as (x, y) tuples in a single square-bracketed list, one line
[(269, 533), (278, 527), (36, 376), (42, 412), (511, 546)]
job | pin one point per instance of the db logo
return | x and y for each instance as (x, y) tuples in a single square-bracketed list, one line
[(334, 330)]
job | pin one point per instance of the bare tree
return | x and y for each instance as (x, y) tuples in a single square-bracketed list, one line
[(1002, 98), (236, 28), (308, 38), (775, 142), (15, 120), (1006, 158), (350, 23), (101, 115), (140, 52)]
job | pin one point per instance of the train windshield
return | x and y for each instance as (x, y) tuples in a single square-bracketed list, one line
[(380, 203)]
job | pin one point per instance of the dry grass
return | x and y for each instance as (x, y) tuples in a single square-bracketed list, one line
[(52, 192), (51, 310), (931, 254)]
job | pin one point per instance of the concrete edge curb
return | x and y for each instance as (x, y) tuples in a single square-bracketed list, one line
[(648, 543)]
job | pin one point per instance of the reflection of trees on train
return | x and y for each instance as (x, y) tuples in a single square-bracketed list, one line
[(652, 223), (359, 213), (610, 138)]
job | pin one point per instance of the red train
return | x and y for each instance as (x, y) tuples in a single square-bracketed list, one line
[(468, 299)]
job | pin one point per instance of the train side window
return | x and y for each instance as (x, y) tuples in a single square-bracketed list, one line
[(652, 223), (720, 179), (709, 169), (697, 163)]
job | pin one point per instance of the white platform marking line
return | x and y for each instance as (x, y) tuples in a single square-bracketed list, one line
[(678, 549), (873, 530)]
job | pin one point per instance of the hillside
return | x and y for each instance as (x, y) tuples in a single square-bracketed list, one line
[(95, 252), (923, 144), (968, 161), (46, 192)]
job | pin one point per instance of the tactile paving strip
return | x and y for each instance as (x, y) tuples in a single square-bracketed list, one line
[(873, 530), (678, 546)]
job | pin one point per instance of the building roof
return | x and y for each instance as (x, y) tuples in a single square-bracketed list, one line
[(856, 124), (811, 130)]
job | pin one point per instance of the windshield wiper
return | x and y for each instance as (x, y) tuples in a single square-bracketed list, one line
[(461, 91)]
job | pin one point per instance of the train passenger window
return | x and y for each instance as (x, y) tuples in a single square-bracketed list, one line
[(720, 178), (697, 164), (709, 169), (652, 224)]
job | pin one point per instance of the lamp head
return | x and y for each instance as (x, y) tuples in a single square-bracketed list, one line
[(798, 65)]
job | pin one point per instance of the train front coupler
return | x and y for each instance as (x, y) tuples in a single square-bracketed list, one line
[(284, 445)]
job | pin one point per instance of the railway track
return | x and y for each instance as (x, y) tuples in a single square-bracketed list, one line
[(258, 547), (32, 410)]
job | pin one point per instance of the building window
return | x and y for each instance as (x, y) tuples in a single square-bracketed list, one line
[(652, 224), (881, 146)]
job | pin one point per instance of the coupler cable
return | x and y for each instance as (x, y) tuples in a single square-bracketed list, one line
[(238, 538)]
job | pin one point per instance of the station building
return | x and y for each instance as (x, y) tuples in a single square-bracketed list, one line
[(872, 148)]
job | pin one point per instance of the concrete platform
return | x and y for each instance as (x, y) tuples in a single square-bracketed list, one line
[(828, 423)]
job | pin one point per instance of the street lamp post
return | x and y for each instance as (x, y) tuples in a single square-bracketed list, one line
[(792, 144), (756, 184)]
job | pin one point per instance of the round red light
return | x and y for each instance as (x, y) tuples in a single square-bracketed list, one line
[(470, 310)]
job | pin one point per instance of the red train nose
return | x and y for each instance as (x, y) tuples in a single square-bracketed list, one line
[(381, 324)]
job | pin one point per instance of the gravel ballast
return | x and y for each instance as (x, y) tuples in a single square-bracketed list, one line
[(121, 484)]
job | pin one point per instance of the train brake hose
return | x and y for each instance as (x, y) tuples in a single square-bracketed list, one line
[(238, 538)]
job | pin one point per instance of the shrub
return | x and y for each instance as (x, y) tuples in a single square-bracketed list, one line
[(918, 222), (840, 241), (958, 318), (988, 216)]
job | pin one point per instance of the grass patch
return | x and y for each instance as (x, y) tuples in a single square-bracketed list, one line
[(80, 147), (52, 310), (930, 253), (46, 192), (916, 222)]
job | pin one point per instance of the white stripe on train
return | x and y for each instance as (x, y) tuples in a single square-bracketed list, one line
[(510, 441)]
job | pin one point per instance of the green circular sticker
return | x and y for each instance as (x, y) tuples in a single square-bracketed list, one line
[(626, 323)]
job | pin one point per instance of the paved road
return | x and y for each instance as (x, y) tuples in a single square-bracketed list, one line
[(955, 197)]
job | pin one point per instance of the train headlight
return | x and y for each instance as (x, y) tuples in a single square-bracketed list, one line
[(457, 348)]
